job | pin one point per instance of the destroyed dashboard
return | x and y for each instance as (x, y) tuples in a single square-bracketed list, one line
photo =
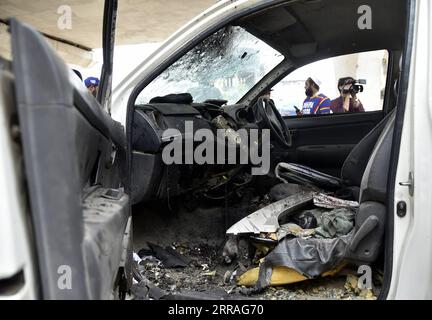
[(159, 174)]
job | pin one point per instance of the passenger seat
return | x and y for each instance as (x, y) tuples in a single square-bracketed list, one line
[(367, 166)]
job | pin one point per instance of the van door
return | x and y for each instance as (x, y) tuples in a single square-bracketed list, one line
[(74, 158)]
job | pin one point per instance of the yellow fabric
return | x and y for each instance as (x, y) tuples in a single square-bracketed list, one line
[(281, 276)]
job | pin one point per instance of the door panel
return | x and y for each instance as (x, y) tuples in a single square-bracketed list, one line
[(323, 142), (74, 157)]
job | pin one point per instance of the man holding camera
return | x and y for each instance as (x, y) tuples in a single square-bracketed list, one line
[(347, 101)]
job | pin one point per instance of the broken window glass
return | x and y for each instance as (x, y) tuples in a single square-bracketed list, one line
[(224, 66)]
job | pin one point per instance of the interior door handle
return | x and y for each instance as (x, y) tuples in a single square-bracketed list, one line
[(293, 133)]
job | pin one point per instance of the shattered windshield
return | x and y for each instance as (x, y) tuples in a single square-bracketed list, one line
[(225, 66)]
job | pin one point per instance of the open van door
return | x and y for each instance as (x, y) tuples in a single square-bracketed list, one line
[(108, 40), (74, 159)]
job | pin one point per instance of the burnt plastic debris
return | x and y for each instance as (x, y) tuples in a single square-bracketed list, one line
[(230, 251), (306, 221), (169, 257), (291, 172), (311, 257)]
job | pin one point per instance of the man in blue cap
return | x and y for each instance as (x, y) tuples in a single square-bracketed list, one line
[(92, 84)]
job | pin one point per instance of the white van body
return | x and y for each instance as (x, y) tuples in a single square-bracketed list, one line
[(411, 276)]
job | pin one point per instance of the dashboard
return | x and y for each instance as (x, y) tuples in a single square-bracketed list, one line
[(155, 125)]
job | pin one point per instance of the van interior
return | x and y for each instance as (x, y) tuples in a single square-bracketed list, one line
[(189, 208), (301, 229)]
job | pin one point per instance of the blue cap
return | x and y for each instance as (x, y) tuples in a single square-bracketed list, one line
[(91, 81)]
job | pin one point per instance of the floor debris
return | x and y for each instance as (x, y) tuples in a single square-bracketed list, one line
[(293, 248), (352, 286), (209, 273), (327, 223), (230, 250), (294, 230), (192, 282), (169, 257)]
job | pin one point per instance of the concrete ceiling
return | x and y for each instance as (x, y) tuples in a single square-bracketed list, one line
[(138, 21)]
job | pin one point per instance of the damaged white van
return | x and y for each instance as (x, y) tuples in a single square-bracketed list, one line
[(268, 150)]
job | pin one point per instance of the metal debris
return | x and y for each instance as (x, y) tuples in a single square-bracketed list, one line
[(266, 219), (209, 273), (325, 201)]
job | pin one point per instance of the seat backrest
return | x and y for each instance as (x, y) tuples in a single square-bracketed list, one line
[(374, 183), (371, 217), (355, 164)]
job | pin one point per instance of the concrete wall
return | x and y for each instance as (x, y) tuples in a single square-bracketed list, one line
[(138, 21)]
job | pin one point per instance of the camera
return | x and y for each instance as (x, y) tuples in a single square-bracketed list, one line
[(356, 86)]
